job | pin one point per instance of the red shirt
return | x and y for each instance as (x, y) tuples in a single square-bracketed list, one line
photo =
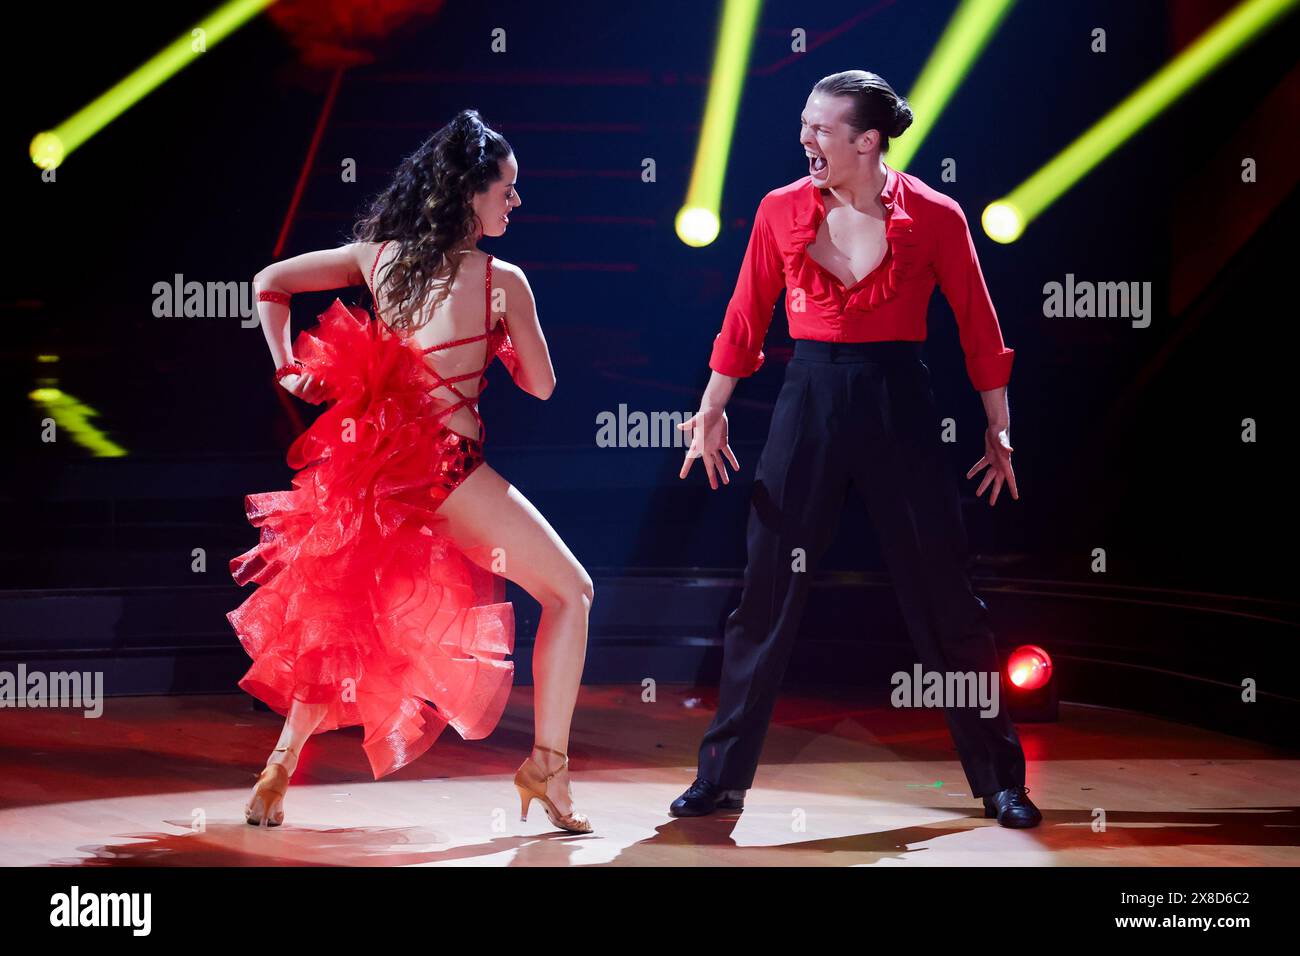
[(927, 242)]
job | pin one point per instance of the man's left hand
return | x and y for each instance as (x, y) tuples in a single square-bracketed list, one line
[(997, 456)]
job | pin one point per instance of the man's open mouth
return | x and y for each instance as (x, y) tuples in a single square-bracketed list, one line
[(816, 163)]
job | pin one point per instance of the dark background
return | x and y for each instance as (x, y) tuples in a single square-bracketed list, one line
[(1127, 439)]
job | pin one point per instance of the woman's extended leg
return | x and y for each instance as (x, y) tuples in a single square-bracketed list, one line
[(303, 719), (489, 518)]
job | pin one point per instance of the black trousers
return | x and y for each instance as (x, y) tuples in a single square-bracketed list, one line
[(860, 414)]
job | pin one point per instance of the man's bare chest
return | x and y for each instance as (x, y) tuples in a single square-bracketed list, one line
[(849, 244)]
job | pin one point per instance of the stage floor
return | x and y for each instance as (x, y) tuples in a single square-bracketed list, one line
[(161, 781)]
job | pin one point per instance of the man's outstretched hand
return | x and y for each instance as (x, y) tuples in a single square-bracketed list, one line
[(997, 456), (708, 431)]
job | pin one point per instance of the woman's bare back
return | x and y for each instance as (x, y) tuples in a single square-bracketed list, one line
[(464, 313)]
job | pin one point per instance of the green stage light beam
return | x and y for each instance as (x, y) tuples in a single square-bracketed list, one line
[(50, 147), (963, 40), (698, 221), (73, 417), (1004, 220)]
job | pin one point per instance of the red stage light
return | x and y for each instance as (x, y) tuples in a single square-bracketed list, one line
[(1029, 667), (332, 34)]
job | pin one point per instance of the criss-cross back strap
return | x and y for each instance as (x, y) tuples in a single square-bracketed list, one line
[(466, 401)]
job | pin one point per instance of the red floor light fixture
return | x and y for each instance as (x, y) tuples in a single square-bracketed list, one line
[(1030, 687)]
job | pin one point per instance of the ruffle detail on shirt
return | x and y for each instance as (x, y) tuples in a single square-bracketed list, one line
[(901, 261)]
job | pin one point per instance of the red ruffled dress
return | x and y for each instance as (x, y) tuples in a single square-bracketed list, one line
[(364, 604)]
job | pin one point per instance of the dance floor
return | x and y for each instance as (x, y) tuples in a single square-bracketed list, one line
[(160, 781)]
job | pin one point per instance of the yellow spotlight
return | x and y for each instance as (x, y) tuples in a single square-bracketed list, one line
[(964, 38), (730, 63), (1211, 49), (73, 417), (1003, 221), (49, 148), (697, 226)]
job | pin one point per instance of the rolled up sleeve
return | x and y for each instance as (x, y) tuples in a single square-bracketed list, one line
[(988, 360), (738, 348)]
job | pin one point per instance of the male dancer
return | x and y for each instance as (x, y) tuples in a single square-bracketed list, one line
[(859, 248)]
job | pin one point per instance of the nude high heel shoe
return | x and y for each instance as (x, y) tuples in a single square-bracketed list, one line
[(531, 782), (269, 792)]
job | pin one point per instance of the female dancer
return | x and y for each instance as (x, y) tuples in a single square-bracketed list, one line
[(377, 573)]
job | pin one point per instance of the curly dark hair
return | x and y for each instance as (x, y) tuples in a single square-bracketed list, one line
[(427, 208)]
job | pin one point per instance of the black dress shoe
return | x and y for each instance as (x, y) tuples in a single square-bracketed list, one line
[(703, 797), (1013, 808)]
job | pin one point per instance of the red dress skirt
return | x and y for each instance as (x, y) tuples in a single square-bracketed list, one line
[(364, 604)]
